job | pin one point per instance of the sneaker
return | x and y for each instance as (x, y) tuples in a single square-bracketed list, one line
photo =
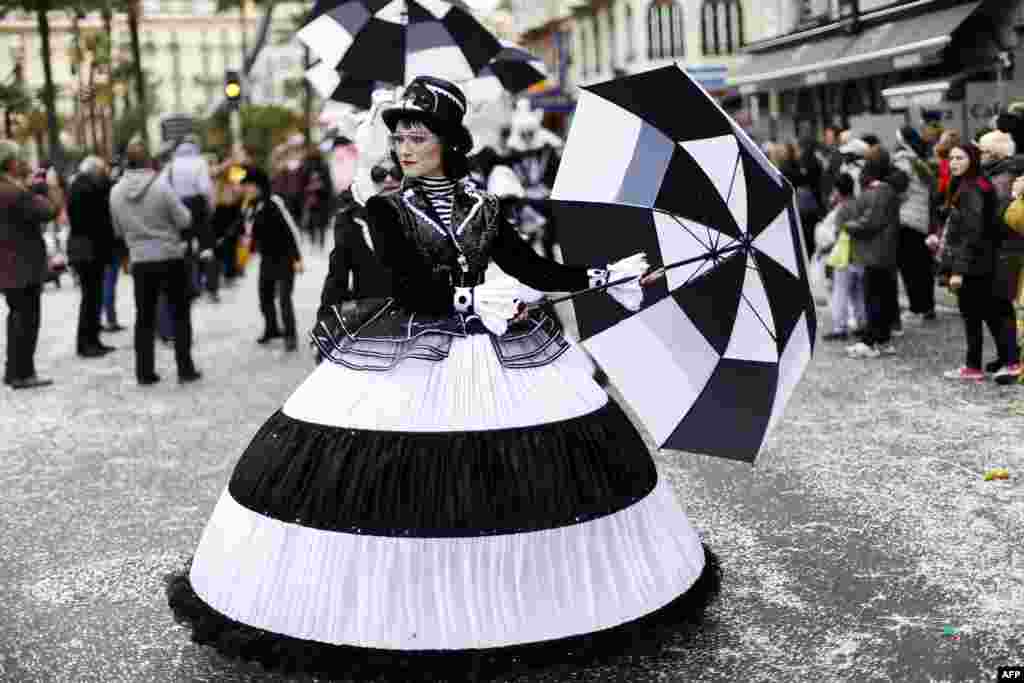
[(32, 382), (965, 374), (994, 367), (1008, 374), (897, 331), (887, 349), (862, 350), (835, 336)]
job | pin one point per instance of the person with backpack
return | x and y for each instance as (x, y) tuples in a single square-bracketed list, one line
[(915, 260), (968, 264)]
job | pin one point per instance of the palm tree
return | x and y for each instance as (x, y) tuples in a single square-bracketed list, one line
[(41, 8)]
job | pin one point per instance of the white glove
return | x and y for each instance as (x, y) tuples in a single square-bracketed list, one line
[(497, 301), (630, 295), (206, 255)]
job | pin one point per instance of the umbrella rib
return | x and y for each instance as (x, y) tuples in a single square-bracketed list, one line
[(765, 325), (685, 227)]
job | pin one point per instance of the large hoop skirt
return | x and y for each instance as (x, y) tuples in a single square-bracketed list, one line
[(439, 507)]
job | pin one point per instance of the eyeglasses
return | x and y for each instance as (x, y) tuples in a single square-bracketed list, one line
[(379, 174), (414, 139)]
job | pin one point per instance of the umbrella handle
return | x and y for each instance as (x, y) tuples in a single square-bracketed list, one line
[(601, 288)]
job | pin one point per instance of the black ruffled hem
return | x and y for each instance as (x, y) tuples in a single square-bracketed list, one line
[(288, 655)]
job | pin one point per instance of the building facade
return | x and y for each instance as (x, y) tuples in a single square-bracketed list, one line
[(874, 65), (186, 48)]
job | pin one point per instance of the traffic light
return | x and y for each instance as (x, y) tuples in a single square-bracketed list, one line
[(233, 88)]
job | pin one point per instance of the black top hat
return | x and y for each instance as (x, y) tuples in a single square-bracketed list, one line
[(438, 102)]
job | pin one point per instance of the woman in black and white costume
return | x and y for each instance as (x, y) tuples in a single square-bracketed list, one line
[(451, 479)]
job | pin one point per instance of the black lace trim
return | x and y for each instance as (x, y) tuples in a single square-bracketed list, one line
[(684, 617), (444, 484)]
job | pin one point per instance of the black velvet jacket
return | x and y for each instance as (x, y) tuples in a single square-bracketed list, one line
[(419, 319), (412, 241)]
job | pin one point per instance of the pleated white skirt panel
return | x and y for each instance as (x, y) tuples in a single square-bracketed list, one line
[(468, 391), (446, 593)]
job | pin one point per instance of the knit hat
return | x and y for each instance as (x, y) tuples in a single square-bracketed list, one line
[(909, 136), (438, 102)]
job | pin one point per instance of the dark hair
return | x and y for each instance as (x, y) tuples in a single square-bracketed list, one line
[(380, 172), (454, 162), (135, 155), (971, 176), (873, 170), (844, 184), (871, 139)]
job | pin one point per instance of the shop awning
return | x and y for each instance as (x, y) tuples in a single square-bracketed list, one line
[(922, 94), (892, 46)]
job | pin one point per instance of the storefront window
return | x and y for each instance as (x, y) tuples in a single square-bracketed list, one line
[(665, 34), (721, 27)]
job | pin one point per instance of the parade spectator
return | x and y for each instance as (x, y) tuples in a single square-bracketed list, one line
[(317, 196), (968, 264), (90, 249), (149, 216), (915, 260), (188, 174), (111, 273), (276, 237), (873, 225), (847, 279), (226, 223), (831, 159), (947, 141), (853, 151), (23, 264)]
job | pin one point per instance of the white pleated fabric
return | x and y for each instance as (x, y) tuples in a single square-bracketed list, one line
[(468, 391), (446, 593)]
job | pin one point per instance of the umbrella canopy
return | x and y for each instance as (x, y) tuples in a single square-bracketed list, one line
[(396, 40), (710, 360), (513, 70)]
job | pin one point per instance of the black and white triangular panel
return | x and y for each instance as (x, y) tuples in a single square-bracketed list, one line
[(396, 40)]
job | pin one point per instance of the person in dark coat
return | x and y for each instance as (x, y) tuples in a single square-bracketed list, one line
[(23, 265), (275, 236), (874, 228), (91, 245), (968, 263)]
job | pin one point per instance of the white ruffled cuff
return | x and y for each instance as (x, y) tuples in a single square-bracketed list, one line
[(629, 295)]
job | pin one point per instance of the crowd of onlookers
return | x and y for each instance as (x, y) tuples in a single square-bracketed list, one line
[(181, 223), (929, 208)]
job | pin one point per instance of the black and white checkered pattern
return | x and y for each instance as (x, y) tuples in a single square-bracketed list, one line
[(711, 359), (512, 70), (396, 40)]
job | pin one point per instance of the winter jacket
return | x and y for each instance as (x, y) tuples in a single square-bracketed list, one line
[(916, 201), (89, 216), (852, 165), (149, 216), (873, 223), (1002, 174), (276, 237), (22, 249), (970, 244)]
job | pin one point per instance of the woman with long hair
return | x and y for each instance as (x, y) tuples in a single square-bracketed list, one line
[(968, 264), (450, 480)]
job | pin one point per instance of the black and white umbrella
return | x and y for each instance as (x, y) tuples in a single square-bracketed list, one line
[(653, 164), (396, 40), (513, 70)]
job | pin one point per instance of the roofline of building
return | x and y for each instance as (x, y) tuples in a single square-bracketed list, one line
[(833, 27)]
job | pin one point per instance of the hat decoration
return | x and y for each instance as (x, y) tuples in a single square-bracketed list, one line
[(437, 101)]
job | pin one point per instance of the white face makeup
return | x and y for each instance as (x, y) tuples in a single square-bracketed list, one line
[(418, 150), (959, 162)]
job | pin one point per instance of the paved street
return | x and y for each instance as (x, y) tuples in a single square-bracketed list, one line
[(864, 546)]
